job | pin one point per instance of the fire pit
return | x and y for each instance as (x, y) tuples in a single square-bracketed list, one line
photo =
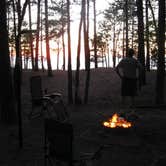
[(117, 124)]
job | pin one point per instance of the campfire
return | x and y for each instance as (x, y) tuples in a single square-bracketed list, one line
[(117, 122)]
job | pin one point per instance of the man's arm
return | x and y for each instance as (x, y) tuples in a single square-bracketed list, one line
[(118, 72)]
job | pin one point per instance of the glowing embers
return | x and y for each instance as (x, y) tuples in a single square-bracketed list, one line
[(117, 122)]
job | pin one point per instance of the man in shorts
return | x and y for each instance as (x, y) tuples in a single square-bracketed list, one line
[(128, 70)]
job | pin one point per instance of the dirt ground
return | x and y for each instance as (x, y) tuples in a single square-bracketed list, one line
[(142, 145)]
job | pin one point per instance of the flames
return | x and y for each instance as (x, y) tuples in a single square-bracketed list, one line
[(117, 121)]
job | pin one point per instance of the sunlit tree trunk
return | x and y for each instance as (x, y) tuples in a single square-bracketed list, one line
[(70, 91), (160, 82), (7, 107), (37, 36), (47, 40)]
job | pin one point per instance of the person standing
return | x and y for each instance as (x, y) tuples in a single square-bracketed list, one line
[(128, 70)]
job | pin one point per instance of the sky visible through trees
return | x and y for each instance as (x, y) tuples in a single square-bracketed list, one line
[(101, 5), (73, 33), (115, 26)]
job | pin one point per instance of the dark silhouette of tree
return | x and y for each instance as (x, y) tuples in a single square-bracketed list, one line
[(14, 25), (58, 25), (87, 53), (141, 52), (103, 38), (37, 35), (95, 34), (153, 15), (58, 55), (18, 65), (114, 47), (102, 43), (160, 81), (31, 36), (25, 48), (70, 92), (47, 40), (41, 42), (7, 107), (77, 75), (63, 23), (147, 36), (126, 25)]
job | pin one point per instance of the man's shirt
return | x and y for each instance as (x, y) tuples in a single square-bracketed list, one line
[(129, 67)]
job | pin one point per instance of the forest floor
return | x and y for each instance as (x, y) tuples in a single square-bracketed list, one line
[(142, 145)]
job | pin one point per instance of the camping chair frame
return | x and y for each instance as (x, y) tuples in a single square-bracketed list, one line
[(39, 99)]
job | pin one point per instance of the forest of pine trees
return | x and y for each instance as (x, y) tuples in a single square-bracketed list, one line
[(138, 24)]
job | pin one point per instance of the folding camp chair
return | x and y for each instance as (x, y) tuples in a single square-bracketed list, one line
[(60, 145), (55, 109), (39, 98)]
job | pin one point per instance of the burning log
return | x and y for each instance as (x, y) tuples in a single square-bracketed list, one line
[(117, 122)]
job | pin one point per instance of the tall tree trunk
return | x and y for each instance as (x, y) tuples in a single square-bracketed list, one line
[(14, 21), (47, 40), (18, 67), (31, 37), (63, 49), (84, 32), (108, 54), (126, 17), (70, 90), (37, 36), (123, 42), (147, 38), (132, 33), (95, 34), (153, 15), (88, 57), (141, 52), (114, 50), (63, 40), (77, 79), (160, 82), (7, 107), (58, 56), (41, 42)]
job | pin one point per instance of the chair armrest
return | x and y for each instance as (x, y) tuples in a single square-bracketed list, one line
[(53, 95), (46, 98)]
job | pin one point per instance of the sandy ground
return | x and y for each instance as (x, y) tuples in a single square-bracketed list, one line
[(142, 145)]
